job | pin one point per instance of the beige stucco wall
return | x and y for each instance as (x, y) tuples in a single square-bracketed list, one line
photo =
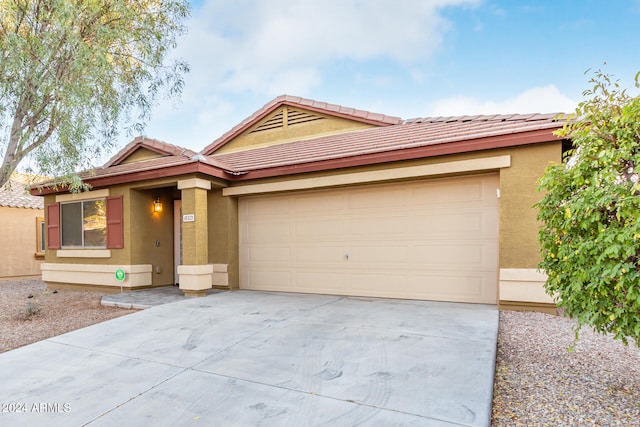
[(518, 183), (151, 233), (223, 234), (19, 242), (518, 225), (194, 202), (141, 154), (142, 228), (328, 125)]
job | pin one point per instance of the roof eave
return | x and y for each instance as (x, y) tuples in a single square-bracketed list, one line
[(466, 146), (459, 147), (138, 176)]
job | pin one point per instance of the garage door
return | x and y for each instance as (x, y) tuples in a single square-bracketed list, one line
[(430, 239)]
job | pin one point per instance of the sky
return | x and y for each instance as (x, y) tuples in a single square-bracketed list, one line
[(406, 58)]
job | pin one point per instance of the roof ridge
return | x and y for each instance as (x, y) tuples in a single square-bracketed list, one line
[(150, 143), (311, 104), (528, 117), (167, 145)]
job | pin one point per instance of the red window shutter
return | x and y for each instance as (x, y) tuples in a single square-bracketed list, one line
[(115, 228), (53, 226)]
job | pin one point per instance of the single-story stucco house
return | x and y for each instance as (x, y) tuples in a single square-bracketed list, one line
[(305, 196), (21, 229)]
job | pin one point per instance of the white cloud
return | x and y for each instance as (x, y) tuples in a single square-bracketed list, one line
[(258, 45), (246, 50), (546, 99)]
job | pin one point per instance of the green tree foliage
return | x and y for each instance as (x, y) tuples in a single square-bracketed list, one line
[(72, 72), (590, 214)]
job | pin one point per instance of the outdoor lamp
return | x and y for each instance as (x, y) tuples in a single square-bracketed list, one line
[(157, 205)]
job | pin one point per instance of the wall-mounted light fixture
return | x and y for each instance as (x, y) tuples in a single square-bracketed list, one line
[(157, 205)]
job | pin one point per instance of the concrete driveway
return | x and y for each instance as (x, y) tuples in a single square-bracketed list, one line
[(262, 359)]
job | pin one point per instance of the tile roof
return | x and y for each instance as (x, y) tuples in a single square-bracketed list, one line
[(491, 118), (411, 134), (14, 193), (176, 157), (160, 147), (183, 158), (392, 141), (310, 104)]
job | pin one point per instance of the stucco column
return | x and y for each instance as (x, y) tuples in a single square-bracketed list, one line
[(195, 271)]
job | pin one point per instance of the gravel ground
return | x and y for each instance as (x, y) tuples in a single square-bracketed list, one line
[(538, 381), (57, 313)]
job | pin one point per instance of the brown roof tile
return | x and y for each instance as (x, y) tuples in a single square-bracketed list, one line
[(173, 156), (396, 140), (150, 165), (413, 133), (491, 118)]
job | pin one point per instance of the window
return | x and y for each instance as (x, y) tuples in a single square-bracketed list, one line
[(84, 224), (41, 240), (40, 233), (91, 223)]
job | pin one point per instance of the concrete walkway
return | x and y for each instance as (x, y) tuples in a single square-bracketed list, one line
[(148, 298), (271, 359)]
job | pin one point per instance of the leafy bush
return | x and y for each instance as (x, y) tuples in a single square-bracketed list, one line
[(590, 214)]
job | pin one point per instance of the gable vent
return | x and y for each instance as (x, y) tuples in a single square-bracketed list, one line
[(293, 117), (276, 121)]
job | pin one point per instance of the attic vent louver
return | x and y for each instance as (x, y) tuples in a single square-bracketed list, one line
[(276, 121), (293, 117)]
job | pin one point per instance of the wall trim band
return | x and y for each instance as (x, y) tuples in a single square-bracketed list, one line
[(472, 165)]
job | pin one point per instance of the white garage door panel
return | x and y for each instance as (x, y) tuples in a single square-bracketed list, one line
[(431, 239), (451, 193), (318, 255), (271, 279), (325, 282), (327, 229), (268, 231), (439, 287), (369, 227), (467, 256), (391, 254), (393, 283), (273, 256), (476, 287), (379, 198), (313, 204), (464, 223), (264, 208)]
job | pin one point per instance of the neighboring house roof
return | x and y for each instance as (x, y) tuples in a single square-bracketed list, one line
[(433, 136), (14, 193), (308, 104)]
